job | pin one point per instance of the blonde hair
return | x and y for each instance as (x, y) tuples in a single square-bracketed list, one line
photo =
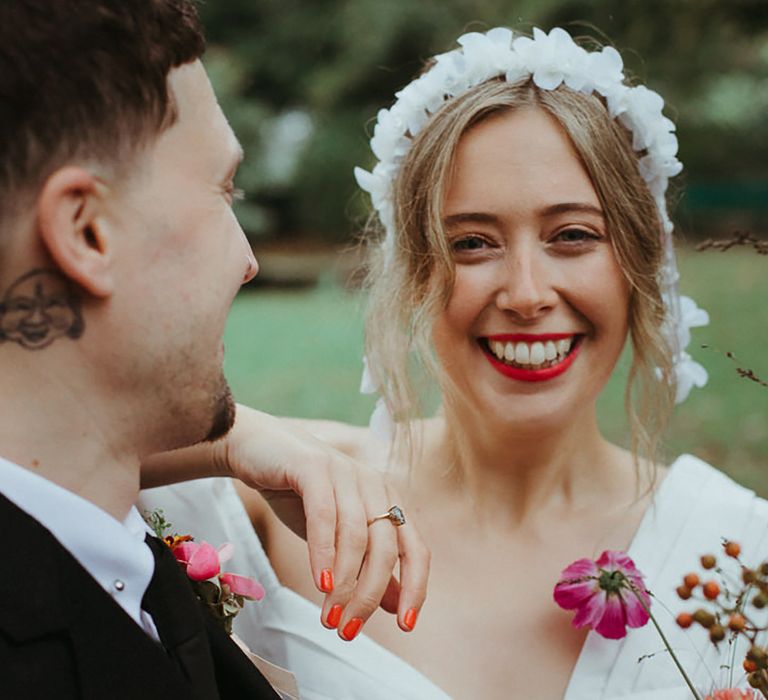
[(409, 287)]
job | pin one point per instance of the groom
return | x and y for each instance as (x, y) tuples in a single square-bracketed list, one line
[(119, 259)]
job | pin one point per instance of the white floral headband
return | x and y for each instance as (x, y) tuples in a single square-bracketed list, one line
[(549, 60)]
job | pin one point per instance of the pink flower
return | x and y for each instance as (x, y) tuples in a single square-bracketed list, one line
[(731, 694), (243, 585), (604, 594), (200, 560)]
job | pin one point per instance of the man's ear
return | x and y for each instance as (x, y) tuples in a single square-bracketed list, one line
[(70, 211)]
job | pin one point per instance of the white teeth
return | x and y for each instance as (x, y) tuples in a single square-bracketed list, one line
[(537, 353), (522, 354), (531, 354)]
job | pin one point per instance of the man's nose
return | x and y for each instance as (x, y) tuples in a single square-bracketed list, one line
[(37, 314), (525, 287), (251, 269)]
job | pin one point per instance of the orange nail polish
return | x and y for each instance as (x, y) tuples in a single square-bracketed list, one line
[(352, 628), (334, 616), (409, 619), (326, 581)]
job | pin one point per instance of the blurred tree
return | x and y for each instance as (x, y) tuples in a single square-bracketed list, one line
[(301, 79)]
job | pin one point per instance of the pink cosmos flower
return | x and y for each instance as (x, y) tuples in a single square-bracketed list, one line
[(243, 585), (604, 594), (732, 694)]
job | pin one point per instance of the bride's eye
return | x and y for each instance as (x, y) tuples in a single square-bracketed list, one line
[(468, 243), (575, 235)]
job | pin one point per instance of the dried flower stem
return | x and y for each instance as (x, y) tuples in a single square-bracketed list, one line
[(738, 238), (668, 646), (741, 371)]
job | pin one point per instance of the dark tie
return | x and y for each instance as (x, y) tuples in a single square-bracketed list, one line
[(178, 617)]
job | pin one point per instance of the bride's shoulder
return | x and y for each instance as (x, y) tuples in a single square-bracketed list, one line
[(714, 490)]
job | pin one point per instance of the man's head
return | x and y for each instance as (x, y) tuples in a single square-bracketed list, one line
[(85, 80), (119, 251)]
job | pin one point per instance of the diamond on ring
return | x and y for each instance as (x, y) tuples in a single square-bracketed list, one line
[(395, 515)]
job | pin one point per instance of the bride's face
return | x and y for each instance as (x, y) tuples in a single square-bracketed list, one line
[(538, 314)]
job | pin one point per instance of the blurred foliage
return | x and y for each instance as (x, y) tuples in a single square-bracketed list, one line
[(301, 81)]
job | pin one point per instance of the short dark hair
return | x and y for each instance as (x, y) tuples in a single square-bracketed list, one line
[(86, 79)]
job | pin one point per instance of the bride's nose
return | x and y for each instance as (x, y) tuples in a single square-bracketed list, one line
[(524, 287)]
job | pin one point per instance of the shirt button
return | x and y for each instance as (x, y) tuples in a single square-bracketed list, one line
[(119, 585)]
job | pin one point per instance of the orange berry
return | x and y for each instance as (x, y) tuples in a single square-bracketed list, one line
[(708, 561), (711, 590), (685, 620), (749, 666), (684, 592), (758, 655), (737, 622), (691, 580), (705, 618), (716, 633), (732, 549)]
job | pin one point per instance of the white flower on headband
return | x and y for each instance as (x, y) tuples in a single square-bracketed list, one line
[(553, 58), (550, 60), (688, 374), (691, 316)]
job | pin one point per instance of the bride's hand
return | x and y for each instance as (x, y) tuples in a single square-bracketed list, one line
[(328, 499)]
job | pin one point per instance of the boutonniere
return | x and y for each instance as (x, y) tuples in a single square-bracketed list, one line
[(223, 593)]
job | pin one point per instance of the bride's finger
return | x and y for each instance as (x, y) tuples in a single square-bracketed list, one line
[(380, 559), (351, 539), (317, 494), (414, 572)]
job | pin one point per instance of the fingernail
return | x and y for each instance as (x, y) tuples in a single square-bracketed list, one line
[(409, 619), (326, 581), (352, 628), (334, 616)]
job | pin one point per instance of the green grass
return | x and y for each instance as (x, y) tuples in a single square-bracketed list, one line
[(299, 354)]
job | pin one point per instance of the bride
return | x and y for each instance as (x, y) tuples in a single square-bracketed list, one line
[(524, 237)]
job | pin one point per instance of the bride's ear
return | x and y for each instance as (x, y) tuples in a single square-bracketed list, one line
[(72, 228)]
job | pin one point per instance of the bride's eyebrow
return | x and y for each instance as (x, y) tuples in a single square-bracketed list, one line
[(470, 218), (571, 207)]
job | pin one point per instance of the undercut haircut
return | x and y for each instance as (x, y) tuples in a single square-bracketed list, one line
[(84, 81)]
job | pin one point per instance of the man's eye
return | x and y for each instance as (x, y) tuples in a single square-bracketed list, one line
[(468, 243), (576, 235), (234, 194)]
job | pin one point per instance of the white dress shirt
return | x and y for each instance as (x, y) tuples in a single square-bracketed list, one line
[(114, 553)]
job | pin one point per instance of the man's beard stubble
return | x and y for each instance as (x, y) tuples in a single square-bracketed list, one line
[(223, 413)]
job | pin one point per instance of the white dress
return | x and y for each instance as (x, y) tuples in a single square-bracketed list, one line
[(695, 507)]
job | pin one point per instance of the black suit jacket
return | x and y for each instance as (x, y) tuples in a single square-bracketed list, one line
[(62, 636)]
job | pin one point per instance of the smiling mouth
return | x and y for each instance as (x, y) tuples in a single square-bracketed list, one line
[(34, 333), (531, 358)]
